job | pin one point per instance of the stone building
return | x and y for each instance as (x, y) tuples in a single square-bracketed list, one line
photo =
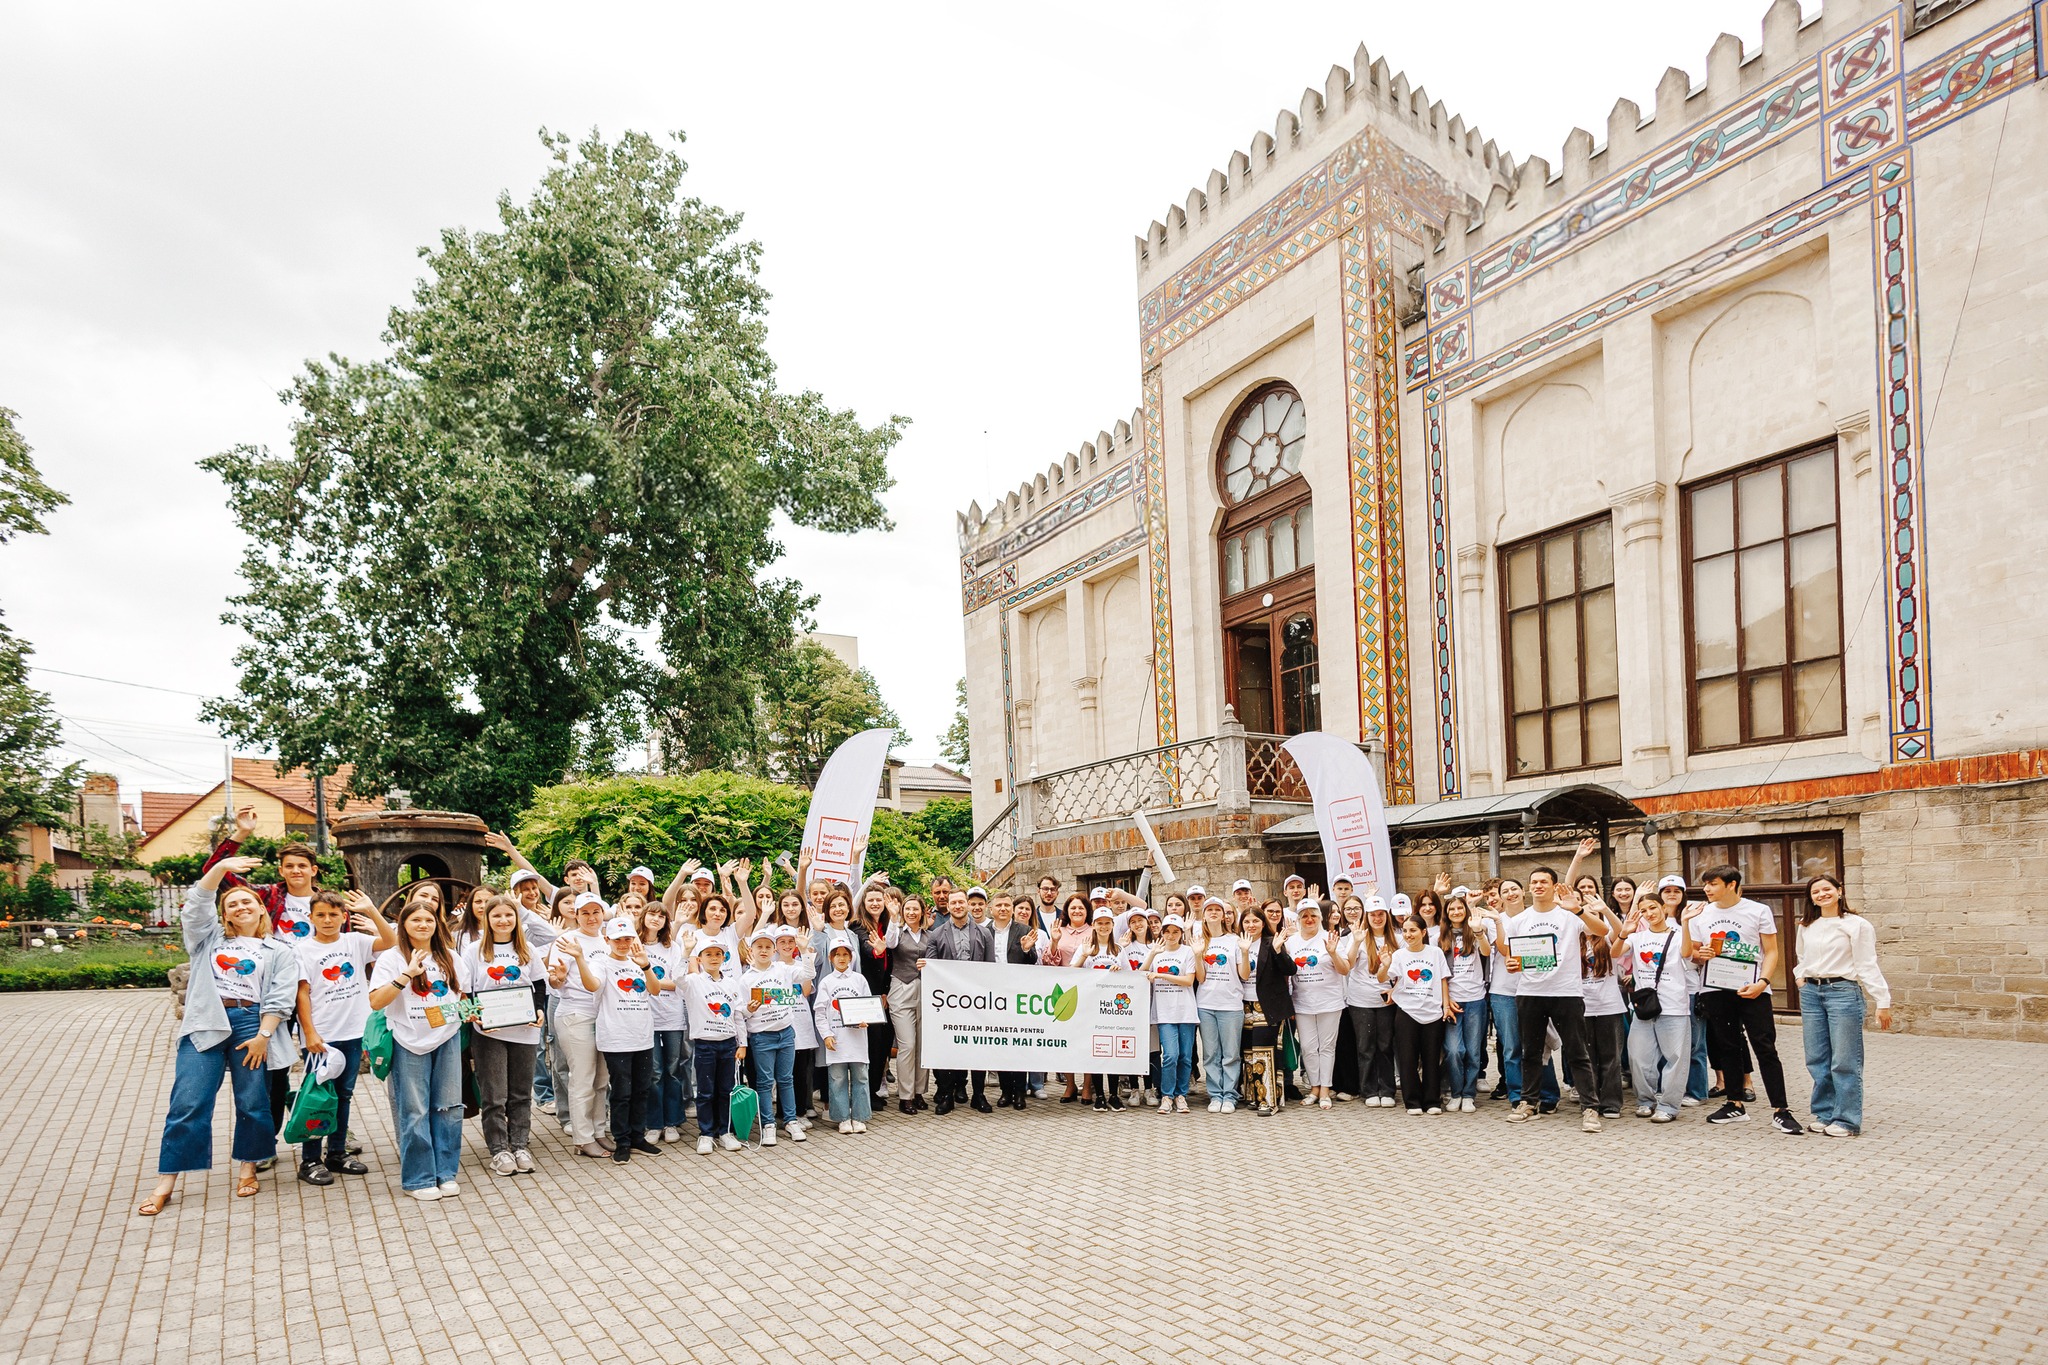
[(1693, 486)]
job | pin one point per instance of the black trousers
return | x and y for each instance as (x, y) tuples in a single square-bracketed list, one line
[(1419, 1049), (1729, 1017), (1533, 1014), (801, 1074), (1604, 1047), (954, 1083), (881, 1038), (632, 1088), (1010, 1084), (1373, 1034)]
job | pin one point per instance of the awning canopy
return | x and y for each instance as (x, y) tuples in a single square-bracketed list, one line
[(1574, 807)]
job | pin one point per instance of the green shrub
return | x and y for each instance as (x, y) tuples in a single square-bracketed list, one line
[(109, 895), (85, 976), (39, 898), (617, 823), (947, 821)]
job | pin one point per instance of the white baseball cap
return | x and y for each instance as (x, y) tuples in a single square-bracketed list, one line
[(619, 926), (1307, 904), (522, 875), (1196, 891), (588, 898), (760, 936), (1100, 893), (1673, 880), (702, 874), (1292, 878), (977, 893), (1461, 892), (1103, 912), (1241, 885), (711, 945), (840, 946), (1218, 903), (645, 873), (1173, 922), (1402, 903), (783, 931), (1375, 903)]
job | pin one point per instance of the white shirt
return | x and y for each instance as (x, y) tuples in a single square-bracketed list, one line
[(1362, 987), (296, 920), (1504, 982), (1172, 1004), (851, 1040), (420, 1020), (625, 1016), (1317, 987), (669, 965), (780, 988), (1842, 945), (1742, 927), (337, 975), (715, 1007), (1567, 933), (239, 968), (1645, 951), (1469, 971), (1602, 994), (1220, 989), (571, 1000), (1416, 977), (498, 968)]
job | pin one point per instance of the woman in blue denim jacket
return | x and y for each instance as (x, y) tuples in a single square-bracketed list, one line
[(244, 984)]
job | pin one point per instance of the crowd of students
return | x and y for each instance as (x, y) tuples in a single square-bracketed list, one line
[(615, 1019)]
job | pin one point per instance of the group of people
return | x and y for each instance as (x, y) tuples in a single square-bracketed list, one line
[(617, 1018)]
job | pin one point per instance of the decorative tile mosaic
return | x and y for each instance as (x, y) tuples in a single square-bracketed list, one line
[(1152, 505), (977, 593), (1415, 364), (1854, 68), (1860, 133), (1912, 723), (1791, 104), (1450, 346), (1400, 736), (1972, 74), (1368, 588), (1443, 666), (1449, 292), (1066, 573), (1117, 482)]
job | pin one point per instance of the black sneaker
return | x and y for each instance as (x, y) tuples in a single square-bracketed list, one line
[(1500, 1092), (313, 1174), (1729, 1113), (641, 1144), (348, 1165), (1783, 1122)]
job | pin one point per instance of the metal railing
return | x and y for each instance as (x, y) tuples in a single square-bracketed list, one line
[(1174, 775), (995, 848), (1269, 771)]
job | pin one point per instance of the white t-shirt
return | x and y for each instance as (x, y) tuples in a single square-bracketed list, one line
[(1251, 950), (1646, 948), (1173, 1004), (1317, 987), (1468, 974), (1567, 933), (1417, 979), (715, 1007), (498, 968), (800, 1017), (296, 921), (1504, 982), (1602, 994), (625, 1016), (852, 1039), (420, 1020), (1362, 989), (669, 965), (779, 986), (1135, 953), (1095, 960), (1220, 988), (338, 976), (239, 968), (1743, 926), (571, 1000)]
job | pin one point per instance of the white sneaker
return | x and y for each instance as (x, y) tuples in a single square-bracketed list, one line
[(1342, 1095), (847, 1126), (1839, 1130), (1465, 1105), (1180, 1104), (767, 1135), (1431, 1110), (1230, 1106), (728, 1142), (449, 1189), (1688, 1103), (703, 1146), (502, 1164), (522, 1161), (1152, 1094), (671, 1135), (653, 1135), (1215, 1106), (429, 1193), (859, 1127), (1166, 1106), (797, 1135)]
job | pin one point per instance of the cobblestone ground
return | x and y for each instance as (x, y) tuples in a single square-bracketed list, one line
[(1056, 1235)]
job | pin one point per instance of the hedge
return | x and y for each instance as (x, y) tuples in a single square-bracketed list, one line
[(85, 976)]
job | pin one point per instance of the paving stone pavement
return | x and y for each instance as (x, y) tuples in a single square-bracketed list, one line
[(1057, 1235)]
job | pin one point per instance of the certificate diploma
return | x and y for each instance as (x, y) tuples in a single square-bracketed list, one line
[(860, 1009), (1727, 974), (505, 1007), (1538, 952)]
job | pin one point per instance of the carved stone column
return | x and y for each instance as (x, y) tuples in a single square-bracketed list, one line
[(1087, 696), (1639, 613), (1233, 783)]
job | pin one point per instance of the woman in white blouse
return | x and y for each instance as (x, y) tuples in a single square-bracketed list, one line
[(1837, 963)]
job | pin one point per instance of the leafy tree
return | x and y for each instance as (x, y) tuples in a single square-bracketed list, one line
[(953, 744), (33, 790), (576, 431), (811, 703), (947, 821), (618, 823)]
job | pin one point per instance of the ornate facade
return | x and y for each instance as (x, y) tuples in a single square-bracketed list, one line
[(1665, 469)]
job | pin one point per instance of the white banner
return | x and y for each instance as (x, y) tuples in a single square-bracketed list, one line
[(1349, 814), (843, 806), (991, 1016)]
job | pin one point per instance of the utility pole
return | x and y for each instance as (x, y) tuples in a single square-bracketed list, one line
[(320, 812), (227, 758)]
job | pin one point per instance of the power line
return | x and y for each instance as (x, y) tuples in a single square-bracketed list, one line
[(119, 682), (146, 762)]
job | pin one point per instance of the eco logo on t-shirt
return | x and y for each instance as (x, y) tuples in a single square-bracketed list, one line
[(240, 966), (718, 1008), (1420, 974), (507, 971), (630, 984), (299, 928), (338, 971)]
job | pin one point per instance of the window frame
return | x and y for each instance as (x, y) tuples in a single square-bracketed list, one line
[(1782, 461), (1237, 415), (1544, 706), (1696, 853)]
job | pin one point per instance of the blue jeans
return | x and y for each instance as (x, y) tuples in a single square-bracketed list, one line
[(671, 1062), (1502, 1009), (1831, 1015), (1222, 1043), (1465, 1048), (717, 1074), (1176, 1059), (846, 1092), (195, 1084), (545, 1058), (344, 1091), (774, 1057), (426, 1109), (1698, 1077)]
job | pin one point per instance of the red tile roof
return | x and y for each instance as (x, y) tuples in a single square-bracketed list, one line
[(294, 788)]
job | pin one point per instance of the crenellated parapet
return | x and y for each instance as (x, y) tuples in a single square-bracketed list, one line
[(1096, 472)]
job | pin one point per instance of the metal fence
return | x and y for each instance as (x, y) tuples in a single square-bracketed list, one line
[(996, 846), (169, 900)]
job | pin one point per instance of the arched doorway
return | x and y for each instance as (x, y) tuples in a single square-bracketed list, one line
[(1266, 556)]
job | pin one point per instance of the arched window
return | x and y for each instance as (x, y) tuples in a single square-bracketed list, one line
[(1266, 558)]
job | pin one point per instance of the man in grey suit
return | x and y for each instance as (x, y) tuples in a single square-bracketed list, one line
[(959, 938)]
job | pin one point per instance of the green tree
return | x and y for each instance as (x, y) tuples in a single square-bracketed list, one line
[(947, 821), (33, 789), (953, 745), (811, 702), (576, 432)]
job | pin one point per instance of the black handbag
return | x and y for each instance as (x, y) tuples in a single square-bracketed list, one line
[(1647, 1005)]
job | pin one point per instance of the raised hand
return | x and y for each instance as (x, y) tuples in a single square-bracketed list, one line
[(1442, 884), (239, 864), (1588, 846), (499, 842), (245, 823)]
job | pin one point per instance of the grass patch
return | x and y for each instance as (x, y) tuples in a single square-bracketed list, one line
[(100, 961)]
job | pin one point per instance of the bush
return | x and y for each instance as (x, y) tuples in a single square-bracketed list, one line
[(947, 821), (110, 895), (84, 976), (39, 898), (616, 823)]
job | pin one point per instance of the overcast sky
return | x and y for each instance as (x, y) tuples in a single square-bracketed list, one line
[(195, 198)]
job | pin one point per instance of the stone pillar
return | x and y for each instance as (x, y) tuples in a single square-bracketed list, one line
[(1639, 613), (1087, 694), (1233, 783), (1479, 707), (1027, 750)]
